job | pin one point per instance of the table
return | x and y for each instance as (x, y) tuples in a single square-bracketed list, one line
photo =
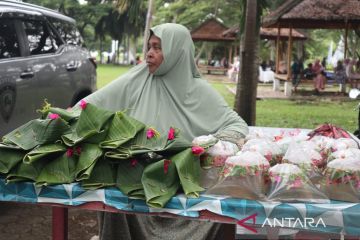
[(338, 217)]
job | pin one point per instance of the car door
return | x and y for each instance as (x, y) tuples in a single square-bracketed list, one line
[(16, 77), (48, 59)]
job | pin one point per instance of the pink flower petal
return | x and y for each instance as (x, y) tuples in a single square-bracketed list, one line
[(197, 150), (78, 150), (69, 152), (171, 134), (166, 165), (150, 133), (53, 116), (134, 162), (83, 104), (277, 178)]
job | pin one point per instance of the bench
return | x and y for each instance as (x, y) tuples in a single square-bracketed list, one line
[(287, 83), (212, 69)]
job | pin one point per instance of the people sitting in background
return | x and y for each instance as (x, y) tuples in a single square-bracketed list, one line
[(308, 73), (351, 72), (296, 69), (282, 67), (340, 77), (234, 70), (224, 62), (263, 65), (319, 76)]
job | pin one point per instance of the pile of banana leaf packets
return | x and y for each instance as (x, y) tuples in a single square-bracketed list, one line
[(100, 148)]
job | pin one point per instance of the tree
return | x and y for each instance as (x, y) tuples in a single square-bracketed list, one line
[(245, 99)]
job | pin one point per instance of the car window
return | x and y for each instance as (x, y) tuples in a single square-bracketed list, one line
[(40, 37), (9, 45), (67, 31)]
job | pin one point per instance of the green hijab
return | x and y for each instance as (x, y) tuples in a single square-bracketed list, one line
[(173, 96)]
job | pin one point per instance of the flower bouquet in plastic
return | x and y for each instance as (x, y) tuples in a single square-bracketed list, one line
[(213, 158), (342, 179), (290, 184), (345, 153), (243, 176), (306, 158), (266, 148)]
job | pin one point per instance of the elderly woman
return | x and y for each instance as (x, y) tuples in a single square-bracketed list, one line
[(167, 91)]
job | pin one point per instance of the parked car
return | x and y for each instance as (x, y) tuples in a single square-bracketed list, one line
[(42, 56)]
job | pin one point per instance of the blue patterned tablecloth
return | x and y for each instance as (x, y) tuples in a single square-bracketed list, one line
[(338, 217)]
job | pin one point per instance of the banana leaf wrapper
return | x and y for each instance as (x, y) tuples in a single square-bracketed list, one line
[(44, 151), (37, 132), (58, 171), (188, 169), (128, 178), (122, 129), (10, 156), (92, 121), (25, 172), (103, 175), (159, 185), (90, 153), (67, 115), (140, 145)]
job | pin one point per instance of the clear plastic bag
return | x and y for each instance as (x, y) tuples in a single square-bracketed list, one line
[(243, 176), (323, 145), (290, 184), (305, 158), (346, 153), (284, 139), (213, 160), (344, 143), (266, 148), (342, 180)]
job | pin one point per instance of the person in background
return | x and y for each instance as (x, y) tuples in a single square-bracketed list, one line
[(351, 73), (319, 76), (296, 71), (263, 65), (138, 60), (340, 77), (308, 72), (168, 91)]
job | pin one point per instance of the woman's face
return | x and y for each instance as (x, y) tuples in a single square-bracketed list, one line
[(154, 55)]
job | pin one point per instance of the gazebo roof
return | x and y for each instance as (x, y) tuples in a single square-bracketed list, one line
[(331, 14), (211, 30), (269, 33)]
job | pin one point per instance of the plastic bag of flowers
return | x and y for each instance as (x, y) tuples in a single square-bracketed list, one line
[(344, 143), (285, 138), (322, 144), (290, 184), (243, 176), (305, 158), (266, 148), (346, 153), (213, 159), (342, 180)]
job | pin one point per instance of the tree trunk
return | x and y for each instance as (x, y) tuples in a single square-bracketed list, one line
[(245, 100), (148, 24)]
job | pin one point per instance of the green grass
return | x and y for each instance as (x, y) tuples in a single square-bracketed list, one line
[(299, 113), (108, 72), (274, 113)]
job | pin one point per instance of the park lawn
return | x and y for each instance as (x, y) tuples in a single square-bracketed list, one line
[(299, 113), (272, 112), (108, 72)]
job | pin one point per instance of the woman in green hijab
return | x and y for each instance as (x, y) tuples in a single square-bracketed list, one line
[(167, 91)]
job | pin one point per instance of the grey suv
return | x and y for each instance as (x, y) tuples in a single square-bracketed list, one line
[(41, 57)]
